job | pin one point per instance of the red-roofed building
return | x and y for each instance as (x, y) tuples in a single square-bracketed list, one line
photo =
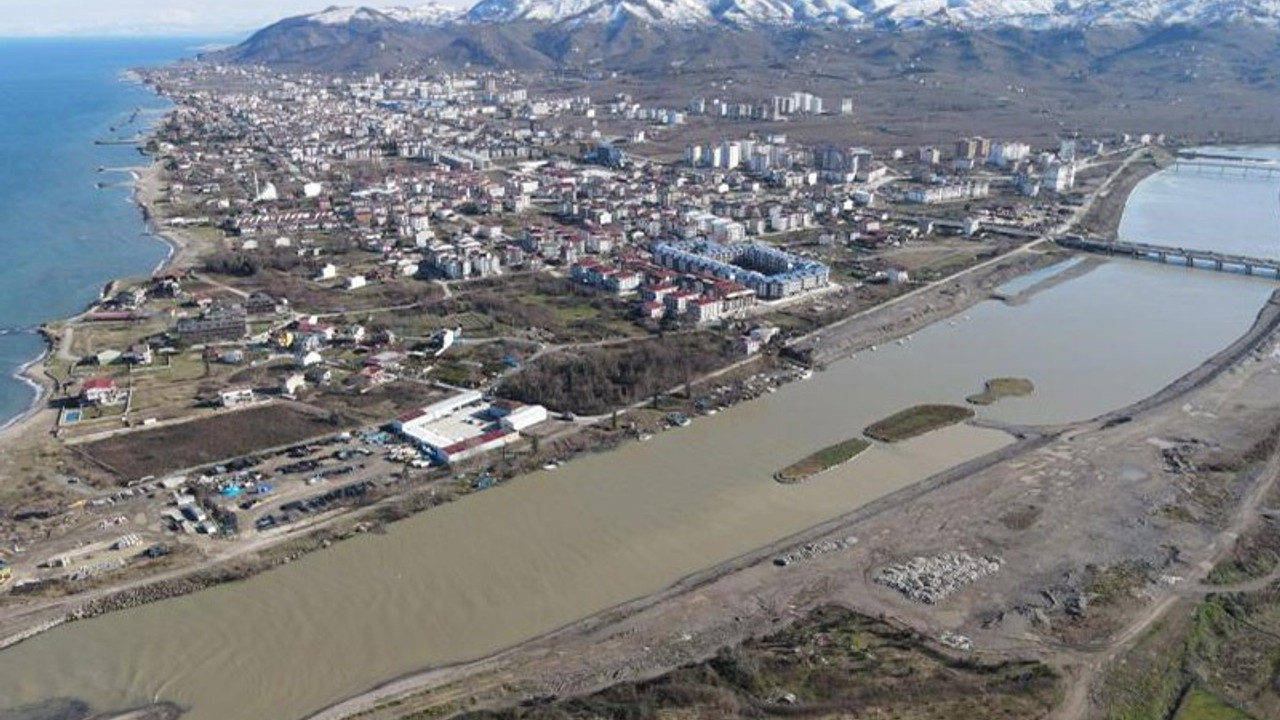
[(101, 391)]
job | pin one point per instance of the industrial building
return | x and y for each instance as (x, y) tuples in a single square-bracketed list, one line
[(467, 425)]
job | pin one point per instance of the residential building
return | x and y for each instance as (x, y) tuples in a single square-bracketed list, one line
[(102, 391), (220, 323)]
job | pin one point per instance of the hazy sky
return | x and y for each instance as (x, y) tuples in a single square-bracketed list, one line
[(158, 17)]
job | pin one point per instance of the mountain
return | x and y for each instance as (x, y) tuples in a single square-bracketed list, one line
[(657, 34), (1030, 14)]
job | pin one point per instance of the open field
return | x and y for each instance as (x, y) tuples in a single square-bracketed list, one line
[(832, 664), (997, 389), (824, 459), (916, 421), (187, 444)]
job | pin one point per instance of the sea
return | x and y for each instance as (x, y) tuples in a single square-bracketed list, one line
[(62, 237)]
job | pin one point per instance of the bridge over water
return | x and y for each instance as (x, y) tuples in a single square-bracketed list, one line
[(1206, 259), (1266, 169)]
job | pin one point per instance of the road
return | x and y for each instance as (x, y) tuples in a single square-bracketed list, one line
[(1076, 705), (1059, 229)]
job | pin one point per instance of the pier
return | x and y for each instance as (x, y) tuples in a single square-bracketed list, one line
[(1205, 259), (1264, 169)]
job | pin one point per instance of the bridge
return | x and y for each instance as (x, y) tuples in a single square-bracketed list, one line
[(1266, 169), (1209, 260)]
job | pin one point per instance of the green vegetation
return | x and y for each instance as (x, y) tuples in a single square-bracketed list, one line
[(1218, 659), (824, 459), (1255, 555), (1202, 705), (916, 421), (997, 389), (1111, 585), (832, 664), (595, 380)]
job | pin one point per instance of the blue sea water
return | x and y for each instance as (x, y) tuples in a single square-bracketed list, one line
[(61, 237)]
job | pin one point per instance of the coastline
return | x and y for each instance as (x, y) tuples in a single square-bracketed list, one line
[(147, 188), (891, 320), (146, 184)]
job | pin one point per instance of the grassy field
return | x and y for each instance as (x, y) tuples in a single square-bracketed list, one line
[(997, 389), (1212, 659), (824, 459), (916, 421), (1202, 705), (831, 664), (225, 435)]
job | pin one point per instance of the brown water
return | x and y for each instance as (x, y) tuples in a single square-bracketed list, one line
[(519, 560)]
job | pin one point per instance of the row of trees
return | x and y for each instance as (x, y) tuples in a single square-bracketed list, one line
[(597, 380)]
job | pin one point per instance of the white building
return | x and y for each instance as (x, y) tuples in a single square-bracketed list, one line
[(235, 397), (1059, 177)]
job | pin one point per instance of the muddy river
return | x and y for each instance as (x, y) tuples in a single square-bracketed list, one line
[(510, 563)]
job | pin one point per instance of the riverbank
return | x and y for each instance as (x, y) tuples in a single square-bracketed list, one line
[(977, 281), (751, 596), (1104, 215), (77, 633)]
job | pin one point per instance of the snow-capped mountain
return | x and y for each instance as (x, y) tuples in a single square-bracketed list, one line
[(739, 33), (1031, 14), (429, 14)]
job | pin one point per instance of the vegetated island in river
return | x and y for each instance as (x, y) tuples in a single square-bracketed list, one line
[(821, 461), (916, 421), (997, 389)]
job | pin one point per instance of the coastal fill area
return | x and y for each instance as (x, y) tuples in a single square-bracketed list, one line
[(67, 229), (523, 559)]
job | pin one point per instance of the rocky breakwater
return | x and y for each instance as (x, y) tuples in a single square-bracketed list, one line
[(931, 580)]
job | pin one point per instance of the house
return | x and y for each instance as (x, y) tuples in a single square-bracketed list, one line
[(374, 375), (260, 303), (293, 382), (355, 282), (319, 375), (328, 271), (307, 359), (139, 354), (235, 397), (652, 310), (102, 391)]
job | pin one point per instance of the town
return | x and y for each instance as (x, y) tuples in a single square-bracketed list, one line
[(386, 286)]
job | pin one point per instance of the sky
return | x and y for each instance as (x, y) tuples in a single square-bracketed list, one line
[(42, 18)]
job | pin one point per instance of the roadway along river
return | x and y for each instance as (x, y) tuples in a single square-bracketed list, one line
[(519, 560)]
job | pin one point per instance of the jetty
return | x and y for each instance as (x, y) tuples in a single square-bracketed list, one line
[(1223, 167), (1205, 259)]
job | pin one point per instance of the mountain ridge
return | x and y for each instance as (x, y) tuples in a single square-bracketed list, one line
[(857, 14)]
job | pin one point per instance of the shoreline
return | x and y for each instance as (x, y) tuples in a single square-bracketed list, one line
[(147, 188), (406, 687), (980, 279), (145, 181)]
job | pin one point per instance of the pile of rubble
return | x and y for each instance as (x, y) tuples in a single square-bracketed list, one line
[(929, 580), (815, 549)]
